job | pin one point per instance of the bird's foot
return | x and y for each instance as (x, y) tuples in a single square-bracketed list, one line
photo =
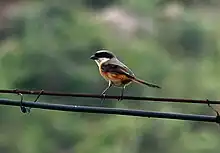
[(120, 98)]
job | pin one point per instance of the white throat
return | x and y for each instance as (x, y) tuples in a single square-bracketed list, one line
[(101, 60)]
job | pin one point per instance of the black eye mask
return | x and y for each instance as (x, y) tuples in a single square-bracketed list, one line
[(104, 55)]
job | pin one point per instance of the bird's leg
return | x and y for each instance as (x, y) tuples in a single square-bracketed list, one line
[(103, 93), (109, 85), (122, 93)]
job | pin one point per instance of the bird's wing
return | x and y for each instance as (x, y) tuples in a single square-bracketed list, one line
[(125, 68), (117, 68)]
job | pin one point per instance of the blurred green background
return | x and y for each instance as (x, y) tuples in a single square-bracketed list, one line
[(46, 44)]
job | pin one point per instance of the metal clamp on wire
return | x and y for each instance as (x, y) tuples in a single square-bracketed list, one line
[(23, 108), (217, 113)]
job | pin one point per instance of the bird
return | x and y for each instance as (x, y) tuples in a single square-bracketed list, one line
[(115, 72)]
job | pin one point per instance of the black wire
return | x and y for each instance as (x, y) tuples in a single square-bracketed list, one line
[(82, 95), (116, 111)]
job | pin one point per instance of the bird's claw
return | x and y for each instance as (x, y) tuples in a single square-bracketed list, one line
[(120, 98)]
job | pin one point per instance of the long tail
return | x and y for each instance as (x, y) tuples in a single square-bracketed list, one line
[(143, 82)]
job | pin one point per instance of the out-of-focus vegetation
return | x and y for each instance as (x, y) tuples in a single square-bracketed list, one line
[(46, 44)]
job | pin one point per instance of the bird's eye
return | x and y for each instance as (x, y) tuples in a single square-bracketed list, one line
[(96, 54), (99, 55)]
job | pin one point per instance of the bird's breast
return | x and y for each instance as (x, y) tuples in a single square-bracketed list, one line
[(116, 79)]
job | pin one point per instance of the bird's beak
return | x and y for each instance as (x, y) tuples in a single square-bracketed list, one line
[(93, 57)]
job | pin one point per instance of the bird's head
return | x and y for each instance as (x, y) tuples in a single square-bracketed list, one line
[(102, 56)]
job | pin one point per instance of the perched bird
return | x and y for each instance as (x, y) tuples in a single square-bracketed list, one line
[(115, 72)]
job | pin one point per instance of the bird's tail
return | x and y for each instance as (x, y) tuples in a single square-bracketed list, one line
[(145, 83)]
